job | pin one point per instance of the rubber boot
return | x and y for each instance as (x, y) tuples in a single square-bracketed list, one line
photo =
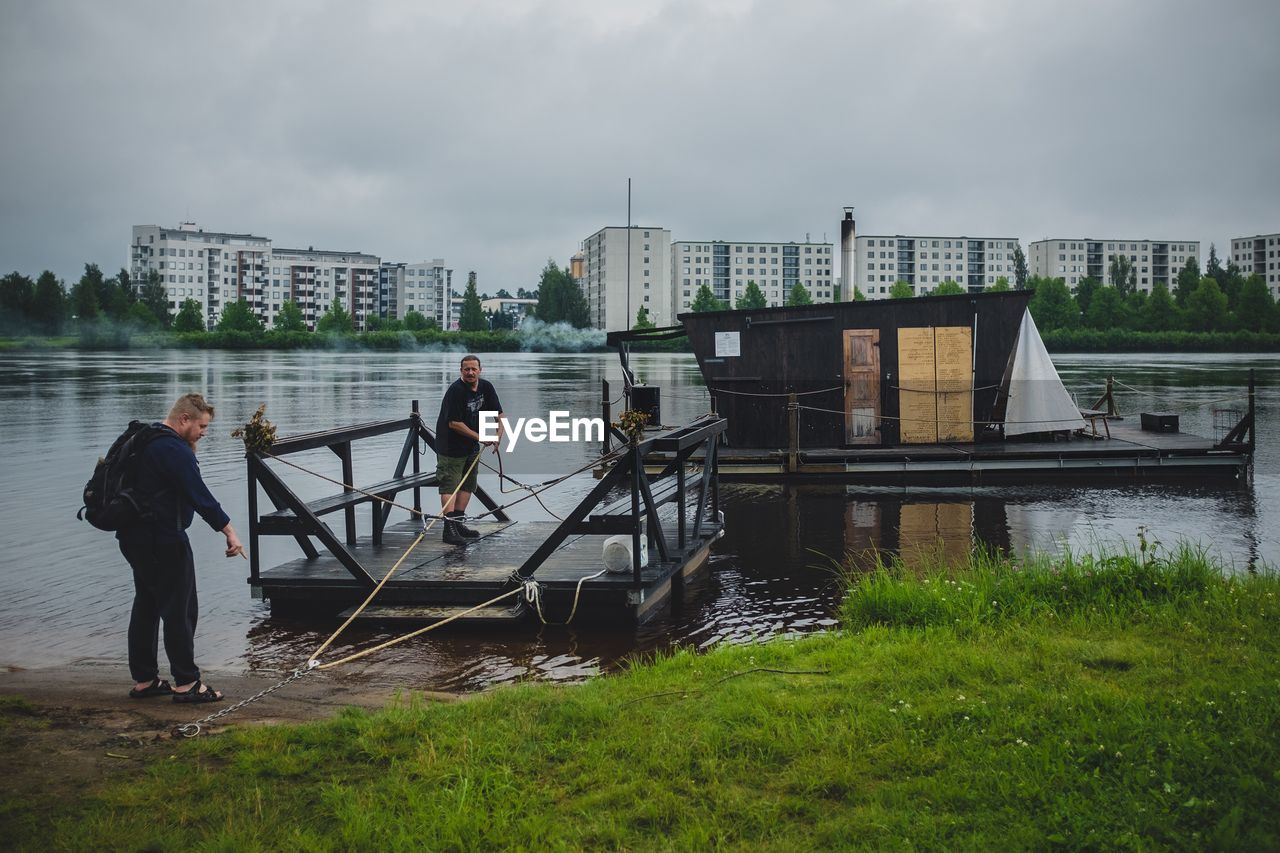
[(460, 528), (451, 535)]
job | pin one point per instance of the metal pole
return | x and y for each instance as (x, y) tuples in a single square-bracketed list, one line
[(607, 413), (417, 492), (627, 317)]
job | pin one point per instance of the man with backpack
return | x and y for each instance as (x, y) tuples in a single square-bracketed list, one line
[(169, 491)]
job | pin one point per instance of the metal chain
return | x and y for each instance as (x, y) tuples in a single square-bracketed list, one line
[(192, 729)]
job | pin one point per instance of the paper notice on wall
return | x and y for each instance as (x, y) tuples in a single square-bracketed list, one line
[(728, 344)]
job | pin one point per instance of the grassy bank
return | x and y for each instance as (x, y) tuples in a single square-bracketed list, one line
[(1124, 701), (1129, 340)]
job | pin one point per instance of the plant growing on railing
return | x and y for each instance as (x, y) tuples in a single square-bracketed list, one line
[(258, 434), (632, 422)]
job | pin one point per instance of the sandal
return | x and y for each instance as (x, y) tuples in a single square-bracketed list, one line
[(155, 688), (199, 692)]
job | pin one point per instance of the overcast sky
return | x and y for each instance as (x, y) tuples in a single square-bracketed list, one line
[(497, 135)]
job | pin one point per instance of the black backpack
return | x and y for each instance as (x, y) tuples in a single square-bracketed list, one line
[(110, 499)]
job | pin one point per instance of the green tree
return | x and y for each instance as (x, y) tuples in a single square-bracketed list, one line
[(1231, 282), (155, 296), (1001, 285), (84, 296), (1188, 281), (949, 288), (140, 315), (48, 304), (289, 318), (17, 293), (901, 290), (752, 297), (1159, 313), (1256, 310), (1213, 267), (642, 319), (239, 317), (1085, 290), (799, 295), (705, 300), (190, 317), (1052, 306), (414, 321), (501, 321), (858, 295), (336, 321), (560, 299), (472, 318), (1123, 274), (1207, 307), (1019, 268), (1107, 310)]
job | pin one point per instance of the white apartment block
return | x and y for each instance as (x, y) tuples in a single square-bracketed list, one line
[(727, 267), (211, 267), (217, 268), (1259, 256), (606, 281), (315, 279), (974, 263), (1156, 261), (427, 287)]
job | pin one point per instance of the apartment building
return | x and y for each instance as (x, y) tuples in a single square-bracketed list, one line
[(614, 297), (726, 267), (315, 279), (428, 289), (1259, 256), (975, 263), (1071, 259), (211, 267)]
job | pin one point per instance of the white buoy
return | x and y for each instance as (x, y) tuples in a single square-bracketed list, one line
[(617, 553)]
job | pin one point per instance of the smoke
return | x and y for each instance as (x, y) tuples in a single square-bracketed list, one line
[(537, 336)]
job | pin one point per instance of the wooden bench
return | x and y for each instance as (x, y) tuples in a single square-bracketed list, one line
[(616, 517), (285, 521), (1093, 416)]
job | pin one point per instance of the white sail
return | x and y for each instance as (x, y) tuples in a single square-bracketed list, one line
[(1038, 401)]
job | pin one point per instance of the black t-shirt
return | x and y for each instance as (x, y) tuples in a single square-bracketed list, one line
[(462, 404)]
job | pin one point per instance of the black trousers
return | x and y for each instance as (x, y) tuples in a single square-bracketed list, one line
[(164, 591)]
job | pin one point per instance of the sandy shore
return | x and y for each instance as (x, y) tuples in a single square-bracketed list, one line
[(77, 726)]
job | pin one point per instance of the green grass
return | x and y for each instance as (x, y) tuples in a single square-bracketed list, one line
[(1126, 701)]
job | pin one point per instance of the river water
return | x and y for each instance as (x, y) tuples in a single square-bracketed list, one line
[(65, 590)]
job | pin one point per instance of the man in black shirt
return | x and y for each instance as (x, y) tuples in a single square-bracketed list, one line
[(458, 444)]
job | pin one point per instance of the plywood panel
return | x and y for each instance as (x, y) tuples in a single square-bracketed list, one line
[(862, 386), (917, 403), (953, 357)]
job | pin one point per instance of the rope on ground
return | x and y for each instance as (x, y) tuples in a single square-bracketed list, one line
[(684, 694)]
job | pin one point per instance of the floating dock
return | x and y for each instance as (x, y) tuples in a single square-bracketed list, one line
[(666, 519)]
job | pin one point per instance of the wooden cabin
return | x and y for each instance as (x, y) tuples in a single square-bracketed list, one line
[(886, 372)]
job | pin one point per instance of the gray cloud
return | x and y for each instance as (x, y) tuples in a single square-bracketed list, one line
[(497, 135)]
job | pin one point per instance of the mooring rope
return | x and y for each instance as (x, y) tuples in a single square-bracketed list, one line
[(1184, 401)]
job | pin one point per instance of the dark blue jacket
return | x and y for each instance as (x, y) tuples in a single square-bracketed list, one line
[(169, 476)]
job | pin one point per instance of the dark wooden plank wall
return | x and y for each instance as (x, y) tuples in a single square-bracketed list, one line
[(801, 350)]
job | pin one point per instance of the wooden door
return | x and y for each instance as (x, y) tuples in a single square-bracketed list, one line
[(862, 386), (935, 384)]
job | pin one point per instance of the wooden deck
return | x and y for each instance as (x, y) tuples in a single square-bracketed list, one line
[(437, 579), (1129, 454)]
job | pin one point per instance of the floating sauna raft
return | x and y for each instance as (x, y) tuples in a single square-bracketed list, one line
[(673, 514), (934, 390)]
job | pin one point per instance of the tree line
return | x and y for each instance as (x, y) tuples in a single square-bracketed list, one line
[(1222, 299), (47, 307)]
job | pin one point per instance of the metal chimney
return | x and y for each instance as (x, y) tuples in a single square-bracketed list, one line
[(847, 233)]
